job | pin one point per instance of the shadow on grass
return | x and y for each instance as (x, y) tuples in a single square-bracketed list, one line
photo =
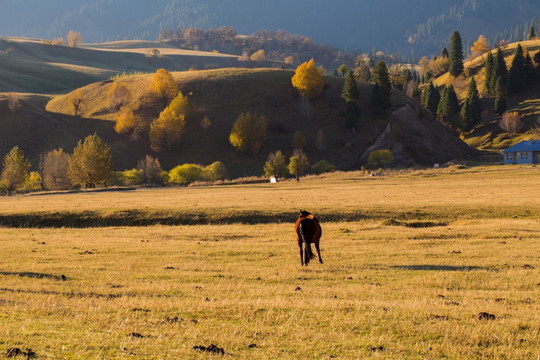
[(32, 275), (443, 268)]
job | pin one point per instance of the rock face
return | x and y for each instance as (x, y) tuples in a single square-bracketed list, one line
[(415, 137)]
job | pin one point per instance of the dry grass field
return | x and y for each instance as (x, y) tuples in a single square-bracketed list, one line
[(412, 260)]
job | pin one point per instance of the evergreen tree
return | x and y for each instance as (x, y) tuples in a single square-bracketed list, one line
[(351, 96), (499, 70), (517, 75), (350, 88), (488, 73), (500, 97), (444, 53), (471, 112), (406, 76), (448, 109), (532, 34), (382, 88), (416, 89), (431, 98), (456, 54), (529, 68)]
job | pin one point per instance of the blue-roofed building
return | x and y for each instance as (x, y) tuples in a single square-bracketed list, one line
[(525, 152)]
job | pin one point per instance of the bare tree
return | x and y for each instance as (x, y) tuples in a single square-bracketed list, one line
[(54, 170), (74, 38), (151, 169), (511, 122)]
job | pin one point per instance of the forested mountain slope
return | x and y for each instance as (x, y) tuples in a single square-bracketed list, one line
[(413, 28)]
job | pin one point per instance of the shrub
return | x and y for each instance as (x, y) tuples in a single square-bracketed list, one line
[(378, 158), (185, 174), (216, 171), (32, 183), (323, 166)]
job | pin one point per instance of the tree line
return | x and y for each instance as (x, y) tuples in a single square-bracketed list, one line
[(280, 45)]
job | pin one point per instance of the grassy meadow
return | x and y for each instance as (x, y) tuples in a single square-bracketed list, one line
[(411, 260)]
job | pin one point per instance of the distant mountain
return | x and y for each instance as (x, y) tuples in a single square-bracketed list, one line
[(413, 28)]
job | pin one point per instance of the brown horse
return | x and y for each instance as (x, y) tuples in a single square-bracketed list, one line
[(307, 230)]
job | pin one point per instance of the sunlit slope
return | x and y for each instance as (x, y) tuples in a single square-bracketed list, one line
[(36, 67)]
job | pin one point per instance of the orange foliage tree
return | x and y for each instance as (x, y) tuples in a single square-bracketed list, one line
[(166, 130), (480, 46), (308, 80), (128, 123), (163, 87)]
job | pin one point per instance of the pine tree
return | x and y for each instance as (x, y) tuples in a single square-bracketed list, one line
[(351, 96), (529, 68), (488, 73), (350, 88), (444, 53), (456, 54), (499, 70), (431, 98), (500, 97), (471, 113), (382, 88), (532, 34), (448, 109), (517, 75)]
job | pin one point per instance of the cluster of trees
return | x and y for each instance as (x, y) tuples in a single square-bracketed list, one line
[(262, 45), (74, 39), (276, 165), (90, 164), (164, 131), (446, 106), (498, 81)]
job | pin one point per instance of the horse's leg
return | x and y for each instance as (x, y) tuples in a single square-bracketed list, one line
[(307, 249), (301, 253), (318, 251)]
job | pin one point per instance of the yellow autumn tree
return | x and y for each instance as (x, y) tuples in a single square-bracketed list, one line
[(258, 56), (163, 87), (479, 47), (308, 80), (118, 95), (128, 123), (249, 132), (167, 130)]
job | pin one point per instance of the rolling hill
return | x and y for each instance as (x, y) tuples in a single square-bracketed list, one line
[(36, 67)]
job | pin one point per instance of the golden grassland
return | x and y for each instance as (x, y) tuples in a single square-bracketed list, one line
[(388, 289)]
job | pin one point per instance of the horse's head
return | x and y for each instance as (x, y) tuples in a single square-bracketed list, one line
[(304, 213)]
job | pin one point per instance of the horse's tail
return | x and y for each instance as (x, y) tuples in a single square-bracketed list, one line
[(308, 254)]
